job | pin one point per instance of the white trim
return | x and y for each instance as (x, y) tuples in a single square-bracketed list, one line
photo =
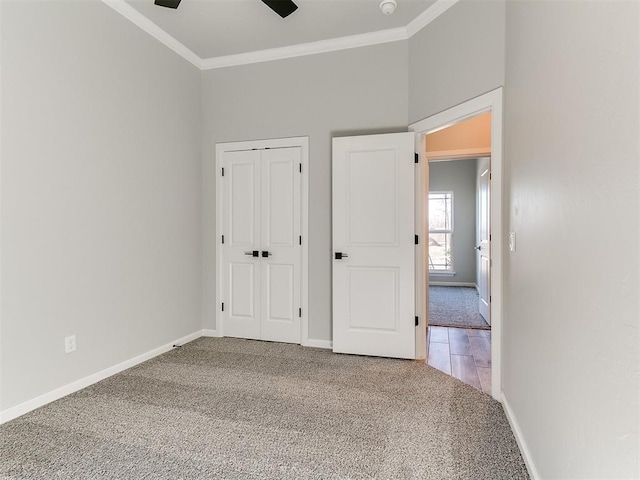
[(210, 333), (291, 51), (303, 143), (72, 387), (428, 16), (1, 250), (491, 101), (303, 49), (453, 284), (133, 15), (461, 154), (421, 207), (326, 344), (522, 444)]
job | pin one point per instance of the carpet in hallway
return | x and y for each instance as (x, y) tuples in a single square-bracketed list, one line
[(455, 307)]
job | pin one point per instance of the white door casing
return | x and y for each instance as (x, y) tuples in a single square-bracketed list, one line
[(491, 101), (483, 251), (373, 228), (261, 249)]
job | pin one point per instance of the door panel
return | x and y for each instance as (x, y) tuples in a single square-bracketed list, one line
[(484, 238), (279, 200), (279, 293), (372, 294), (375, 197), (373, 223), (243, 215), (280, 238), (242, 220), (242, 278)]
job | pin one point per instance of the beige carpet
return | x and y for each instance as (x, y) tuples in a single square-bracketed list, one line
[(241, 409)]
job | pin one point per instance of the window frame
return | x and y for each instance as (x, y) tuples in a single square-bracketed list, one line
[(450, 270)]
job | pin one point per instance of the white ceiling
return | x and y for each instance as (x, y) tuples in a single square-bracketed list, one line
[(215, 28)]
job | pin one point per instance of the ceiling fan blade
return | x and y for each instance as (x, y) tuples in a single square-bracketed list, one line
[(168, 3), (284, 8)]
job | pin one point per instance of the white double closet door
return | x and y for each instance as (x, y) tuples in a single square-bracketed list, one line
[(261, 249)]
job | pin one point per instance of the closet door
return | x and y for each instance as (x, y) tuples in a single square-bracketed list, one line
[(280, 234), (262, 253), (241, 224)]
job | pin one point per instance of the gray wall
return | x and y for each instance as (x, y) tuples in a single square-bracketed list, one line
[(458, 176), (571, 322), (363, 90), (101, 197), (458, 56)]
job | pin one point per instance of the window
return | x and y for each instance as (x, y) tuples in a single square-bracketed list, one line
[(440, 231)]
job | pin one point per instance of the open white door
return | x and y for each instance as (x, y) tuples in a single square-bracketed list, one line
[(484, 238), (373, 245)]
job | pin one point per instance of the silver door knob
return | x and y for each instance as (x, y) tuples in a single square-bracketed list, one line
[(479, 247)]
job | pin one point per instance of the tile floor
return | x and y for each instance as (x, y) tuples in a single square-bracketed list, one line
[(463, 353)]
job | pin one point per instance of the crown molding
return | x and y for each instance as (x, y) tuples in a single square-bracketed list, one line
[(303, 49), (311, 48), (428, 16), (131, 14)]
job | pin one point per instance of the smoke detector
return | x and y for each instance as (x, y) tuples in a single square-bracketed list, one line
[(388, 6)]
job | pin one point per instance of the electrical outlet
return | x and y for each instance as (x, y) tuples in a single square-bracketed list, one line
[(512, 241), (70, 344)]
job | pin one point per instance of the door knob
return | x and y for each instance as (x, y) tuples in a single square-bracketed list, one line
[(266, 253), (253, 253), (479, 247), (340, 255)]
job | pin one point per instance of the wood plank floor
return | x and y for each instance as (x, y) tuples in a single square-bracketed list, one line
[(463, 353)]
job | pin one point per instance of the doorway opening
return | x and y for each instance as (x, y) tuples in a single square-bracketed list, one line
[(458, 333), (458, 269)]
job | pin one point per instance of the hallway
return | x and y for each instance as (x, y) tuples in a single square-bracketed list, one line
[(463, 353)]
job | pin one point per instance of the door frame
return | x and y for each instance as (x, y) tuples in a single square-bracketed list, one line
[(303, 143), (491, 101)]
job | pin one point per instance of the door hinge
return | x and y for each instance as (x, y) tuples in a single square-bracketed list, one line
[(416, 239), (223, 306), (300, 240), (223, 171), (300, 312), (490, 177), (417, 321), (489, 298), (489, 237), (416, 158), (300, 168), (222, 238)]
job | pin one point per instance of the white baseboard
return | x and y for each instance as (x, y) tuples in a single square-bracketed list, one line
[(524, 449), (452, 284), (328, 344), (210, 333), (30, 405)]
